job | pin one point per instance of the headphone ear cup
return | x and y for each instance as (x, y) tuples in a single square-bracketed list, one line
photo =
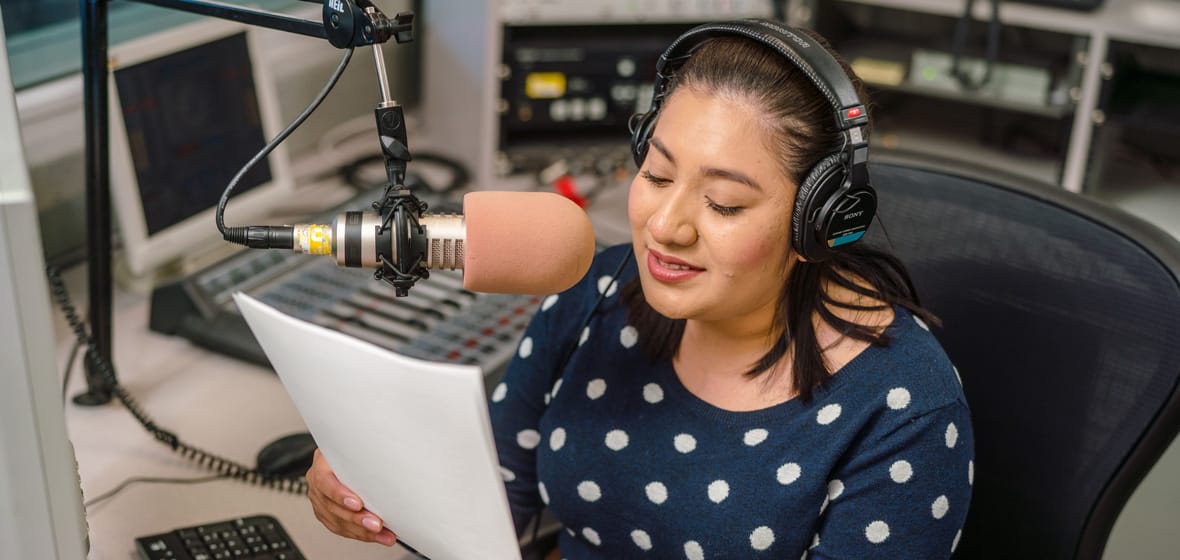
[(641, 129), (826, 176)]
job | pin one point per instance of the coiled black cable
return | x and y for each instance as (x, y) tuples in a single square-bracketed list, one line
[(224, 467)]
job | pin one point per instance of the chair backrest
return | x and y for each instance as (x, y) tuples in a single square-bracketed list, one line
[(1062, 316)]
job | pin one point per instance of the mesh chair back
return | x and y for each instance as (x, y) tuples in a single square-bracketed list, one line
[(1062, 317)]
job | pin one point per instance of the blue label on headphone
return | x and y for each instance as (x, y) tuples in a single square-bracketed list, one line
[(845, 239)]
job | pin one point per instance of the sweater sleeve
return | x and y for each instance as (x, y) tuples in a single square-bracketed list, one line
[(520, 400), (903, 494)]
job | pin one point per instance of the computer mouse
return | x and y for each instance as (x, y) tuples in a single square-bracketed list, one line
[(287, 457)]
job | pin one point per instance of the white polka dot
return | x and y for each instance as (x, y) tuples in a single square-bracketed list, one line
[(952, 435), (507, 475), (548, 398), (641, 539), (656, 492), (957, 376), (971, 472), (824, 505), (955, 543), (607, 284), (761, 538), (617, 439), (585, 336), (595, 388), (628, 336), (877, 532), (549, 302), (755, 436), (526, 347), (653, 393), (921, 323), (828, 414), (939, 507), (693, 551), (901, 471), (898, 398), (789, 473), (718, 491), (592, 536), (556, 387), (557, 439), (835, 488), (814, 541), (544, 492), (499, 392), (684, 443), (589, 490), (528, 439)]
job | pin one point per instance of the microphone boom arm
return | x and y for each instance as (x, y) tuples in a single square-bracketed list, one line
[(400, 209), (345, 24)]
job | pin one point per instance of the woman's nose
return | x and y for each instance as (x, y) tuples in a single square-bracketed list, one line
[(673, 223)]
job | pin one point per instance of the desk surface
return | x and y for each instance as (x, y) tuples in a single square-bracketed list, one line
[(225, 406)]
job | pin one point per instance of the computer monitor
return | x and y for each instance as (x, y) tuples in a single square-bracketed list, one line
[(189, 107), (40, 496)]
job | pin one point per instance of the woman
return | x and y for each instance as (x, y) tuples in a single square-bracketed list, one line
[(731, 400)]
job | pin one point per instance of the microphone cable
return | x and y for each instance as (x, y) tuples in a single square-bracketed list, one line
[(222, 466), (243, 234)]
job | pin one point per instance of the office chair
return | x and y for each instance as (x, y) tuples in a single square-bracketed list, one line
[(1062, 316)]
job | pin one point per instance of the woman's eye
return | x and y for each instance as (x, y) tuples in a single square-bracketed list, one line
[(723, 210), (658, 181)]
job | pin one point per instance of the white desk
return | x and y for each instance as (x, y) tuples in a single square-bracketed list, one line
[(225, 406)]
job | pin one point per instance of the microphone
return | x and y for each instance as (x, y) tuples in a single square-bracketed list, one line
[(504, 242)]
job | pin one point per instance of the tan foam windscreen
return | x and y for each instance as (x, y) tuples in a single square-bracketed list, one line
[(524, 242)]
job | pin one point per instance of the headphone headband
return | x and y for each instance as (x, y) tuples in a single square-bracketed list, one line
[(813, 60)]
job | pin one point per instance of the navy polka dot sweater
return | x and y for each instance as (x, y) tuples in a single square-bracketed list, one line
[(877, 465)]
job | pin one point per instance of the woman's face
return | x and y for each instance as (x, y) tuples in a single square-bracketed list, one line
[(710, 212)]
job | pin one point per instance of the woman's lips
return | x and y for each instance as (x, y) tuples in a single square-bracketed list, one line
[(670, 269)]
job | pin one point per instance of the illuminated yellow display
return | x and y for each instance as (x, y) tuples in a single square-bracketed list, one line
[(544, 85)]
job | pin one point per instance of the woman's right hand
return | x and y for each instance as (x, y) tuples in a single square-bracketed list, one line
[(341, 510)]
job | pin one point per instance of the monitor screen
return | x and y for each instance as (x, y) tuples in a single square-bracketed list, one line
[(191, 117), (189, 107)]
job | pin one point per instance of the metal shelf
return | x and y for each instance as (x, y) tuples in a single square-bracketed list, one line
[(1149, 22), (1048, 111)]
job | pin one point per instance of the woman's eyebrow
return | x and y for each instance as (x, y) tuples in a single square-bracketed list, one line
[(728, 174), (655, 142), (731, 175)]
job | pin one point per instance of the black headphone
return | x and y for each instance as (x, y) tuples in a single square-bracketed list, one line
[(835, 203)]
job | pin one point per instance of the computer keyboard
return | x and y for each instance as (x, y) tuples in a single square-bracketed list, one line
[(259, 537)]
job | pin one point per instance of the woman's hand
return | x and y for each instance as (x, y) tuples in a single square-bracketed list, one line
[(339, 509)]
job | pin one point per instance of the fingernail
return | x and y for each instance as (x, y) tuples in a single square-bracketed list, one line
[(352, 503), (386, 539), (371, 524)]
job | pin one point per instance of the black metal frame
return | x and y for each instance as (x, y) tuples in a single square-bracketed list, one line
[(344, 25)]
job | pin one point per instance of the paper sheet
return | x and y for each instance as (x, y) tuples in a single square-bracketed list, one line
[(412, 438)]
